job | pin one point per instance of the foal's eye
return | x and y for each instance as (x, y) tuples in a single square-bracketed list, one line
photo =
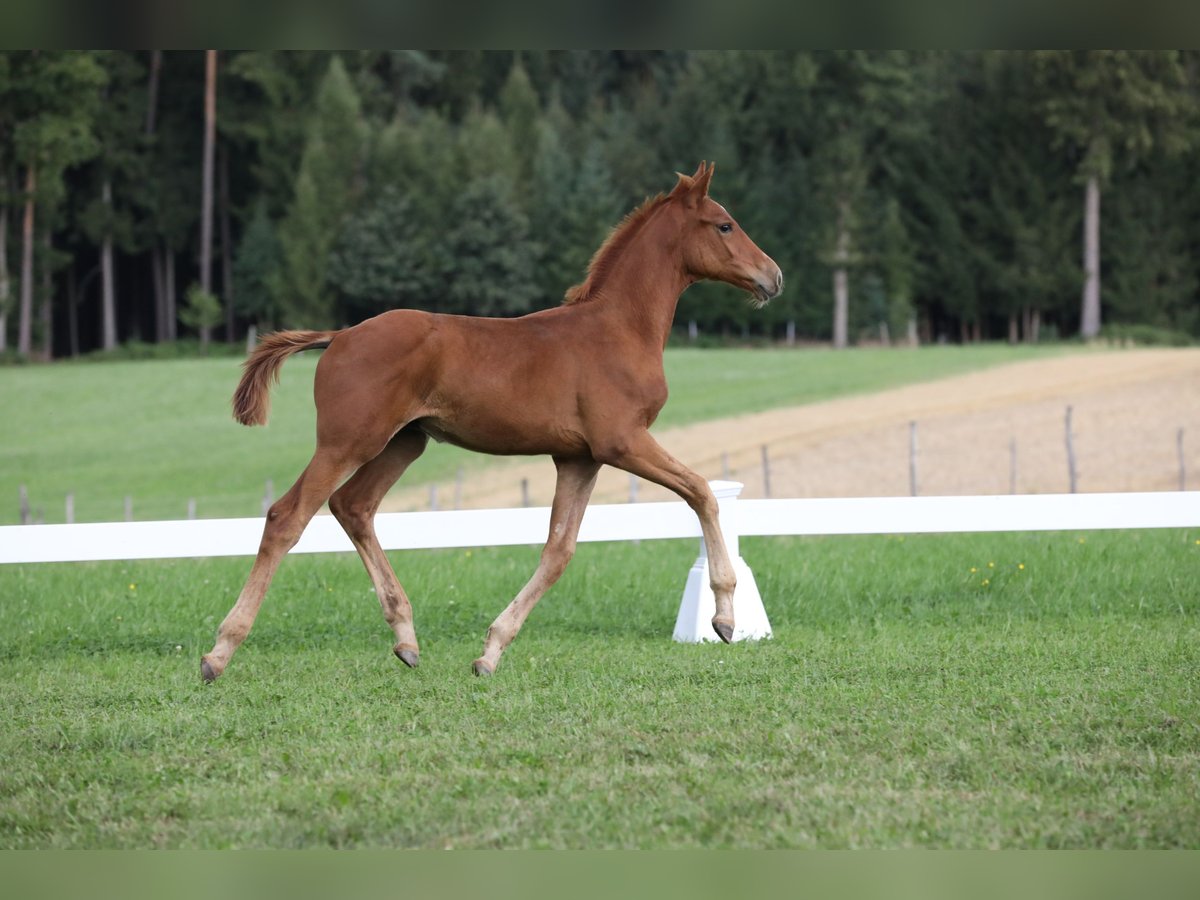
[(725, 228)]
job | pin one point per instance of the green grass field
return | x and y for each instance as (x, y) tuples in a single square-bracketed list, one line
[(161, 431), (952, 691)]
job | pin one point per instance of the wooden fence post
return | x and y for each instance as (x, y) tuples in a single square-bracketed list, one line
[(1182, 460), (1012, 465), (912, 458), (128, 508), (525, 492), (1071, 473), (70, 511), (766, 466), (23, 493)]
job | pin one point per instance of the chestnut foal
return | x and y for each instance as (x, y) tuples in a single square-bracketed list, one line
[(581, 382)]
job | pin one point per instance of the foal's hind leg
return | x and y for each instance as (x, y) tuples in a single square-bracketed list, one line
[(576, 478), (355, 504), (285, 523)]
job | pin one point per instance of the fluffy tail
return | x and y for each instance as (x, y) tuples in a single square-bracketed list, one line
[(252, 399)]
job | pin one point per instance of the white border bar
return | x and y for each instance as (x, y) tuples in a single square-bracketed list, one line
[(940, 515), (622, 522)]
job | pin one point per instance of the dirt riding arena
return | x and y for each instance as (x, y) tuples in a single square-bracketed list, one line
[(1128, 407)]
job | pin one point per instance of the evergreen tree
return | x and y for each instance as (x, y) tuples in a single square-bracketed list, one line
[(573, 205), (53, 97), (489, 254), (864, 101), (1150, 272), (327, 185), (378, 262), (1106, 106), (201, 311), (519, 107), (110, 218), (256, 268)]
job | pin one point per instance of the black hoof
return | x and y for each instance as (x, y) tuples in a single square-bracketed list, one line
[(407, 655), (724, 631), (479, 667), (206, 672)]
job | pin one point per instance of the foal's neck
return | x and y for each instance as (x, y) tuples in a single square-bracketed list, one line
[(643, 290)]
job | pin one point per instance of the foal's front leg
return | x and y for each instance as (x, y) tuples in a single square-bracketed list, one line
[(642, 455), (576, 478)]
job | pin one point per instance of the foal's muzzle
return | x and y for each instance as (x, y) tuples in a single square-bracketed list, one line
[(768, 285)]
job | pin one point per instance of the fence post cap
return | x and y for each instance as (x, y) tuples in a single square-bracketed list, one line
[(724, 490)]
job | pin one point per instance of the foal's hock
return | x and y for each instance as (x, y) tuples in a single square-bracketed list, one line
[(581, 382)]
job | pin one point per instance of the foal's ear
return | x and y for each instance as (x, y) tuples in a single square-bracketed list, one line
[(693, 188)]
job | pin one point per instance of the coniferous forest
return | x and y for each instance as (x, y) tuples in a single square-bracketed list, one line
[(156, 197)]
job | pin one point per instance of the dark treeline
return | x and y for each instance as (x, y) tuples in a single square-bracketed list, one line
[(148, 196)]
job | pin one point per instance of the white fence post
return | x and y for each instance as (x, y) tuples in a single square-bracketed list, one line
[(696, 609)]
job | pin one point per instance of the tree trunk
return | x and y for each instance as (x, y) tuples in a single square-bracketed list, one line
[(1014, 329), (25, 324), (108, 301), (3, 274), (47, 300), (73, 310), (156, 262), (206, 197), (152, 90), (172, 322), (160, 292), (1090, 318), (226, 250), (841, 284)]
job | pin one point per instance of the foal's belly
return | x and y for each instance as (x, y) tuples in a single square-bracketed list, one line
[(505, 435)]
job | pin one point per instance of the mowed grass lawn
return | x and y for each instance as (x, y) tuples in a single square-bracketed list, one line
[(954, 691), (161, 432)]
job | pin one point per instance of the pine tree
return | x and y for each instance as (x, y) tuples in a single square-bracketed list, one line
[(256, 267), (1151, 275), (378, 262), (327, 185), (490, 254), (1109, 106), (109, 219), (519, 107), (53, 99), (573, 207)]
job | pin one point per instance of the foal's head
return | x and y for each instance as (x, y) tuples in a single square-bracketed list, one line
[(713, 245)]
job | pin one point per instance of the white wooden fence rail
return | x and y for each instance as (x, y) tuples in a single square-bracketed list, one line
[(624, 522), (618, 522)]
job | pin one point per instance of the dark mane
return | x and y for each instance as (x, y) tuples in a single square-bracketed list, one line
[(617, 240)]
